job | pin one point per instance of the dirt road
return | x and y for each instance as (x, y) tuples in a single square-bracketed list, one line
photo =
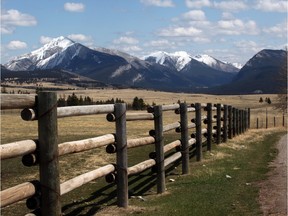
[(273, 191)]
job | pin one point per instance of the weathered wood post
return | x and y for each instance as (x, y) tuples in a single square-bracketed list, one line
[(237, 122), (283, 120), (225, 121), (121, 155), (257, 123), (209, 126), (48, 154), (234, 121), (240, 121), (230, 122), (274, 121), (159, 144), (249, 113), (184, 138), (198, 132), (266, 118), (218, 124)]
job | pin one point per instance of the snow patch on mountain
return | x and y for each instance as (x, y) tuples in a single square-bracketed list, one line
[(138, 78), (121, 70)]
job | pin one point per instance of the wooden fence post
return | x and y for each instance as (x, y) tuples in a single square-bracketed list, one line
[(225, 128), (283, 120), (48, 154), (209, 126), (234, 121), (274, 121), (218, 138), (257, 123), (230, 122), (184, 138), (198, 132), (248, 118), (266, 118), (159, 144), (122, 165), (237, 121)]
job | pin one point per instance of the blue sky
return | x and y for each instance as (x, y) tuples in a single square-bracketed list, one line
[(230, 30)]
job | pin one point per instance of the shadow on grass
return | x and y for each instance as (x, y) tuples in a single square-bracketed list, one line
[(139, 185)]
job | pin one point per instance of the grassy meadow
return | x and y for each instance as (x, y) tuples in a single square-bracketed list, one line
[(89, 199)]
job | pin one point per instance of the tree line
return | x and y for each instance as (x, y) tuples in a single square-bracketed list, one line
[(74, 100)]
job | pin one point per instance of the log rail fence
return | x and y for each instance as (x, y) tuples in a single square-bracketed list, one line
[(219, 123)]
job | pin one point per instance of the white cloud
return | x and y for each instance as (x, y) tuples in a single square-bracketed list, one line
[(12, 18), (230, 5), (126, 40), (179, 32), (16, 44), (160, 43), (198, 3), (272, 5), (279, 30), (237, 27), (248, 46), (194, 15), (45, 40), (227, 16), (158, 3), (131, 49), (74, 7)]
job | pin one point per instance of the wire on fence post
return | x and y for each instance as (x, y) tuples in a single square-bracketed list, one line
[(48, 154), (159, 144), (209, 126), (184, 138), (122, 165), (198, 132)]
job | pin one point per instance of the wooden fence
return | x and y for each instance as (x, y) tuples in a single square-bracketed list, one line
[(210, 122)]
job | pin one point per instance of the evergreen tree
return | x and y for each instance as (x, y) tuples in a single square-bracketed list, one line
[(261, 100), (72, 100)]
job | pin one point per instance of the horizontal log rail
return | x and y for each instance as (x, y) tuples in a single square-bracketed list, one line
[(15, 149), (86, 144), (169, 107), (17, 101), (193, 120), (82, 179), (166, 128), (29, 114), (140, 167), (17, 193), (203, 131), (172, 158), (132, 143), (189, 126), (131, 116), (189, 109)]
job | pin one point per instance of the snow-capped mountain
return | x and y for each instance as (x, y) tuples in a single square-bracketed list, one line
[(177, 60), (180, 59), (216, 64), (46, 57), (108, 66)]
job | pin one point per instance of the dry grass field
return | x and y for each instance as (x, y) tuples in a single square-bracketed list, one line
[(13, 128)]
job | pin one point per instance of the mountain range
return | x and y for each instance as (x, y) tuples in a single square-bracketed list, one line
[(177, 71)]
